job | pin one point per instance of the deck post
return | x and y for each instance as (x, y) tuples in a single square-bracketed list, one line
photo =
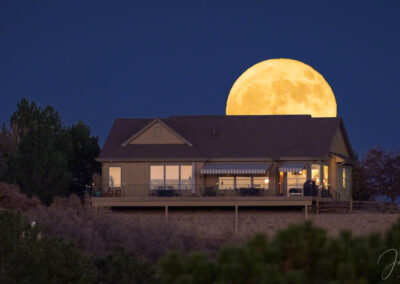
[(306, 212), (236, 219), (351, 205), (166, 213)]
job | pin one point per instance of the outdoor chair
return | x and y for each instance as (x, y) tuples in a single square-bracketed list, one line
[(210, 191)]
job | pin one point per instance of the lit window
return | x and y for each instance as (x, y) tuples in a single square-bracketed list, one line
[(168, 175), (156, 176), (316, 173), (261, 182), (186, 177), (295, 182), (344, 178), (114, 176), (243, 182), (172, 176), (326, 176), (226, 182)]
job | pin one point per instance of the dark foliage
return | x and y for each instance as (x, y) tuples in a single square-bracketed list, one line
[(382, 173), (11, 198), (81, 164), (27, 258), (299, 254), (44, 157)]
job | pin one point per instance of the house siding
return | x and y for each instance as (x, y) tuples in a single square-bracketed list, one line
[(338, 145), (135, 176), (157, 134)]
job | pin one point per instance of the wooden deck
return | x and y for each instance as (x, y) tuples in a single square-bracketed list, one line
[(215, 201)]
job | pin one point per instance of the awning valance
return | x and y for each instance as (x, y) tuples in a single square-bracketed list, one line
[(235, 169), (292, 167)]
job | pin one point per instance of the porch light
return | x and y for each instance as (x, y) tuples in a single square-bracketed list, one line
[(267, 180), (301, 172)]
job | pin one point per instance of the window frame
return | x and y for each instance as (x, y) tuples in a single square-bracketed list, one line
[(165, 174), (120, 176)]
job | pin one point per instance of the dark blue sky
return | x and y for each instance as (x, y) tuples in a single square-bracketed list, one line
[(96, 61)]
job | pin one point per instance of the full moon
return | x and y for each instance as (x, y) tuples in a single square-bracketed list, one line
[(281, 86)]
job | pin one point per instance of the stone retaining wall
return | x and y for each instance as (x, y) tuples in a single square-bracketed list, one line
[(220, 223)]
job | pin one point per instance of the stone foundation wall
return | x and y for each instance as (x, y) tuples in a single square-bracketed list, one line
[(220, 223)]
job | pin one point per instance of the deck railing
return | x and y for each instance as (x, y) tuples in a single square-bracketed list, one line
[(179, 190), (176, 190)]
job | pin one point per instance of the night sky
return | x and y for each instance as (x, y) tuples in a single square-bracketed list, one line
[(96, 61)]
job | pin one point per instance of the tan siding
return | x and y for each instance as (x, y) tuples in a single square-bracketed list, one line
[(157, 134), (199, 180), (338, 145), (273, 174), (345, 193), (332, 174)]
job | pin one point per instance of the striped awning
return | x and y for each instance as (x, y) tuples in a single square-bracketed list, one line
[(235, 169), (292, 167)]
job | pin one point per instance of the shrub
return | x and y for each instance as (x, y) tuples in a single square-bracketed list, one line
[(121, 266), (299, 254), (98, 232), (12, 198), (27, 258)]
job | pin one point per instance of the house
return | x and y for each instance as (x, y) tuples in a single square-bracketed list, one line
[(217, 156)]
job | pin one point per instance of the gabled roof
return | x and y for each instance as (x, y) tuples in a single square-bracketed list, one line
[(155, 121), (272, 137)]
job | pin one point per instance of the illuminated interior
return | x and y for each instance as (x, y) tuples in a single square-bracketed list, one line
[(316, 173), (114, 176), (175, 176)]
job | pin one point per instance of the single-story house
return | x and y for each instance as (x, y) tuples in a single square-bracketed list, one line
[(213, 155)]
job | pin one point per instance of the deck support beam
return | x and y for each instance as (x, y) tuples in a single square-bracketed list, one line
[(166, 213)]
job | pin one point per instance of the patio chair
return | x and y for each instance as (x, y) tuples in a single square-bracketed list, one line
[(221, 192), (244, 191), (295, 191), (210, 191)]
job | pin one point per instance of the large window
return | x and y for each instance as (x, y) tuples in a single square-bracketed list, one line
[(226, 182), (232, 182), (156, 176), (176, 176), (114, 176), (316, 173), (172, 176), (344, 183), (186, 177), (325, 180), (243, 182), (295, 182), (261, 182)]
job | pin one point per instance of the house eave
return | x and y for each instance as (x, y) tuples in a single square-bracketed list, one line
[(202, 159)]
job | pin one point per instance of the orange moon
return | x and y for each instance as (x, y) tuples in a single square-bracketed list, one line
[(281, 86)]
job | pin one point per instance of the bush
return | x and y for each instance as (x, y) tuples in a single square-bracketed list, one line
[(299, 254), (27, 258), (12, 198), (121, 266), (98, 232)]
